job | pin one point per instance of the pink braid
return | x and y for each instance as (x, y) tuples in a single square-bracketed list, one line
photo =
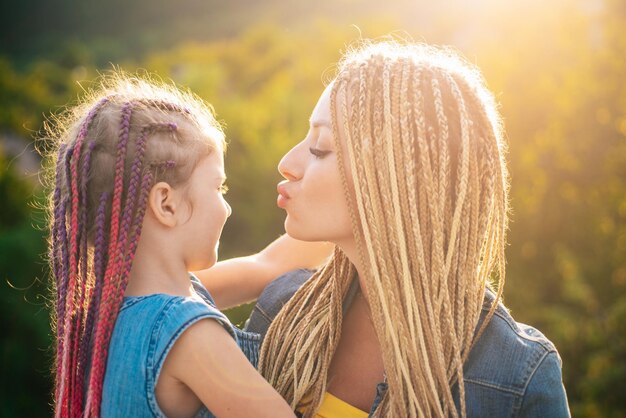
[(97, 362), (70, 318)]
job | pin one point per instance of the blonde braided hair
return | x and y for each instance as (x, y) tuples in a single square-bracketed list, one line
[(429, 213)]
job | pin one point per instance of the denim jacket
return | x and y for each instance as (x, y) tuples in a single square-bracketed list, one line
[(513, 370), (145, 331)]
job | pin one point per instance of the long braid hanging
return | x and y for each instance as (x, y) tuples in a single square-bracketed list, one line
[(98, 277), (58, 210), (58, 229), (79, 347), (427, 263)]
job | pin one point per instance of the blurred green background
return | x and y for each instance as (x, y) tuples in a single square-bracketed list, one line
[(558, 68)]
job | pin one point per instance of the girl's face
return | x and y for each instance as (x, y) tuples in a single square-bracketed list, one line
[(312, 194), (207, 213)]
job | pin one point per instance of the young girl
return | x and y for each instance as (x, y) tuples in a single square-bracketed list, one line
[(138, 202)]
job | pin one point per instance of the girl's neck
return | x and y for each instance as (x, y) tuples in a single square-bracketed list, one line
[(156, 269)]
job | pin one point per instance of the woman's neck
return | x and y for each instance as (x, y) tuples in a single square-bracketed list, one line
[(351, 251), (357, 364)]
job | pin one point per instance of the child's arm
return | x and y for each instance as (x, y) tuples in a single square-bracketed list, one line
[(240, 280), (207, 360)]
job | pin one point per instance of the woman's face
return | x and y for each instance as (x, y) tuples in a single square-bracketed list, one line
[(312, 194)]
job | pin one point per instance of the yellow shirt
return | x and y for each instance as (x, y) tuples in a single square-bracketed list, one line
[(333, 407)]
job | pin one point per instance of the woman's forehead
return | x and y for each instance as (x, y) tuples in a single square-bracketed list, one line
[(321, 113)]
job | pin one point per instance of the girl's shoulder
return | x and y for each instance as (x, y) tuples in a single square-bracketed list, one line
[(146, 330), (164, 315)]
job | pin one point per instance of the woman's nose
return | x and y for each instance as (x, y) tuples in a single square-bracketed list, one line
[(291, 165)]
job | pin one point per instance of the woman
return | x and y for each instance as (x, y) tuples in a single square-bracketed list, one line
[(403, 170)]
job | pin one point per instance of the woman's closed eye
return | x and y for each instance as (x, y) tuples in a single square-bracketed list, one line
[(318, 153), (223, 189)]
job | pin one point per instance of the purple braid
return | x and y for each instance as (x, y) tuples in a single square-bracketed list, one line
[(98, 269), (82, 227), (81, 314), (146, 182), (59, 212), (63, 279), (83, 210), (101, 238), (135, 175), (68, 167), (56, 199), (119, 180), (102, 334), (60, 251), (99, 256), (61, 284)]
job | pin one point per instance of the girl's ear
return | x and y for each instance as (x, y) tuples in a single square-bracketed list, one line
[(163, 202)]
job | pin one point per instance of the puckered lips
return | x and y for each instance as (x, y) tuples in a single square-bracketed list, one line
[(283, 196)]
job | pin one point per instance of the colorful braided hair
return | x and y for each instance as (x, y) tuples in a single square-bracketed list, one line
[(112, 148), (429, 214)]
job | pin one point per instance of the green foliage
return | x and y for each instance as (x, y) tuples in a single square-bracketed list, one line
[(24, 347), (564, 105), (26, 97), (15, 196)]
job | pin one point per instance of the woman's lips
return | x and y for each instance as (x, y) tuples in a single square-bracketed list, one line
[(283, 196)]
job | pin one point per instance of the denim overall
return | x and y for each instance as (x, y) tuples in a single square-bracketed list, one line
[(513, 370), (145, 331)]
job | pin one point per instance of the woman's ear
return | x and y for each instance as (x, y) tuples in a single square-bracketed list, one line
[(163, 202)]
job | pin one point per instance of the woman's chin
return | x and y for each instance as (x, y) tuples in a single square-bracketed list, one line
[(299, 234), (292, 230)]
